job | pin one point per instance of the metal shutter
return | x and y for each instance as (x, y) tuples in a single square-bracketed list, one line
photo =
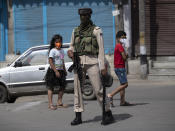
[(135, 28), (3, 29), (1, 32), (28, 24), (160, 27), (62, 18)]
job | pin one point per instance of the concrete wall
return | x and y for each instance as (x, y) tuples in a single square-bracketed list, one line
[(127, 25), (133, 67)]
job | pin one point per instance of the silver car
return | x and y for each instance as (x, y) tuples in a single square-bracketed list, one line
[(25, 76)]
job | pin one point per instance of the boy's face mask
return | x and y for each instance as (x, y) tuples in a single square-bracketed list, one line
[(58, 45), (123, 41)]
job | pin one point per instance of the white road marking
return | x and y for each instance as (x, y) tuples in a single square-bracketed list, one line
[(28, 105)]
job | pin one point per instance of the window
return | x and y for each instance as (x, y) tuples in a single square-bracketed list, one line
[(38, 57)]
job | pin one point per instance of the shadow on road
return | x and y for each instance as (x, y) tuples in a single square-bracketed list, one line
[(121, 117), (137, 104), (132, 104), (117, 117)]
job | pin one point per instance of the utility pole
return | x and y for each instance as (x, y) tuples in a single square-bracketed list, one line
[(143, 56), (10, 28), (119, 24)]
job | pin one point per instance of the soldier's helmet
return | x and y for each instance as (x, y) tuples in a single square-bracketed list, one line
[(84, 11)]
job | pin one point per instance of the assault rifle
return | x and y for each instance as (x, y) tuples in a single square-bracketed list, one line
[(107, 81), (76, 66), (104, 99)]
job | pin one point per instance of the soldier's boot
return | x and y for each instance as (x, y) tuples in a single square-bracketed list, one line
[(108, 119), (77, 119)]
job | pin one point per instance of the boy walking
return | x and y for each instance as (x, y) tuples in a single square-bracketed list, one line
[(120, 57)]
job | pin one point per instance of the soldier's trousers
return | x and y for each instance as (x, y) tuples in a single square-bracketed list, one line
[(94, 76)]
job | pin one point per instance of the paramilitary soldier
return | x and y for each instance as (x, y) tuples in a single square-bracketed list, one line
[(87, 41)]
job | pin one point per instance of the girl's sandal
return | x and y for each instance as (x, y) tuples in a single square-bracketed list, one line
[(52, 107)]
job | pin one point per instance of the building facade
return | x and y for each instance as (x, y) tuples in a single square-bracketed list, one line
[(159, 27), (150, 25), (34, 22)]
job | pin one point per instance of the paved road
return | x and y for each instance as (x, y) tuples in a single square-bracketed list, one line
[(154, 110)]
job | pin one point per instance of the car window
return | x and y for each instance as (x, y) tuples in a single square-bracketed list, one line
[(37, 57)]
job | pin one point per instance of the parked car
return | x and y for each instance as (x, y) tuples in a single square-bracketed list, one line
[(25, 76)]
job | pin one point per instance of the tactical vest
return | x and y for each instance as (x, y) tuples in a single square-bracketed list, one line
[(85, 43)]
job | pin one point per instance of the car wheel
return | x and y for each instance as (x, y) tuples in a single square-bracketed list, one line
[(88, 92), (11, 99), (3, 94)]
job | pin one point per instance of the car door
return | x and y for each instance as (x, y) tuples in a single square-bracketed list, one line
[(30, 76)]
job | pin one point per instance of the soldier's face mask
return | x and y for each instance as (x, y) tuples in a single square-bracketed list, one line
[(58, 45), (85, 18)]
